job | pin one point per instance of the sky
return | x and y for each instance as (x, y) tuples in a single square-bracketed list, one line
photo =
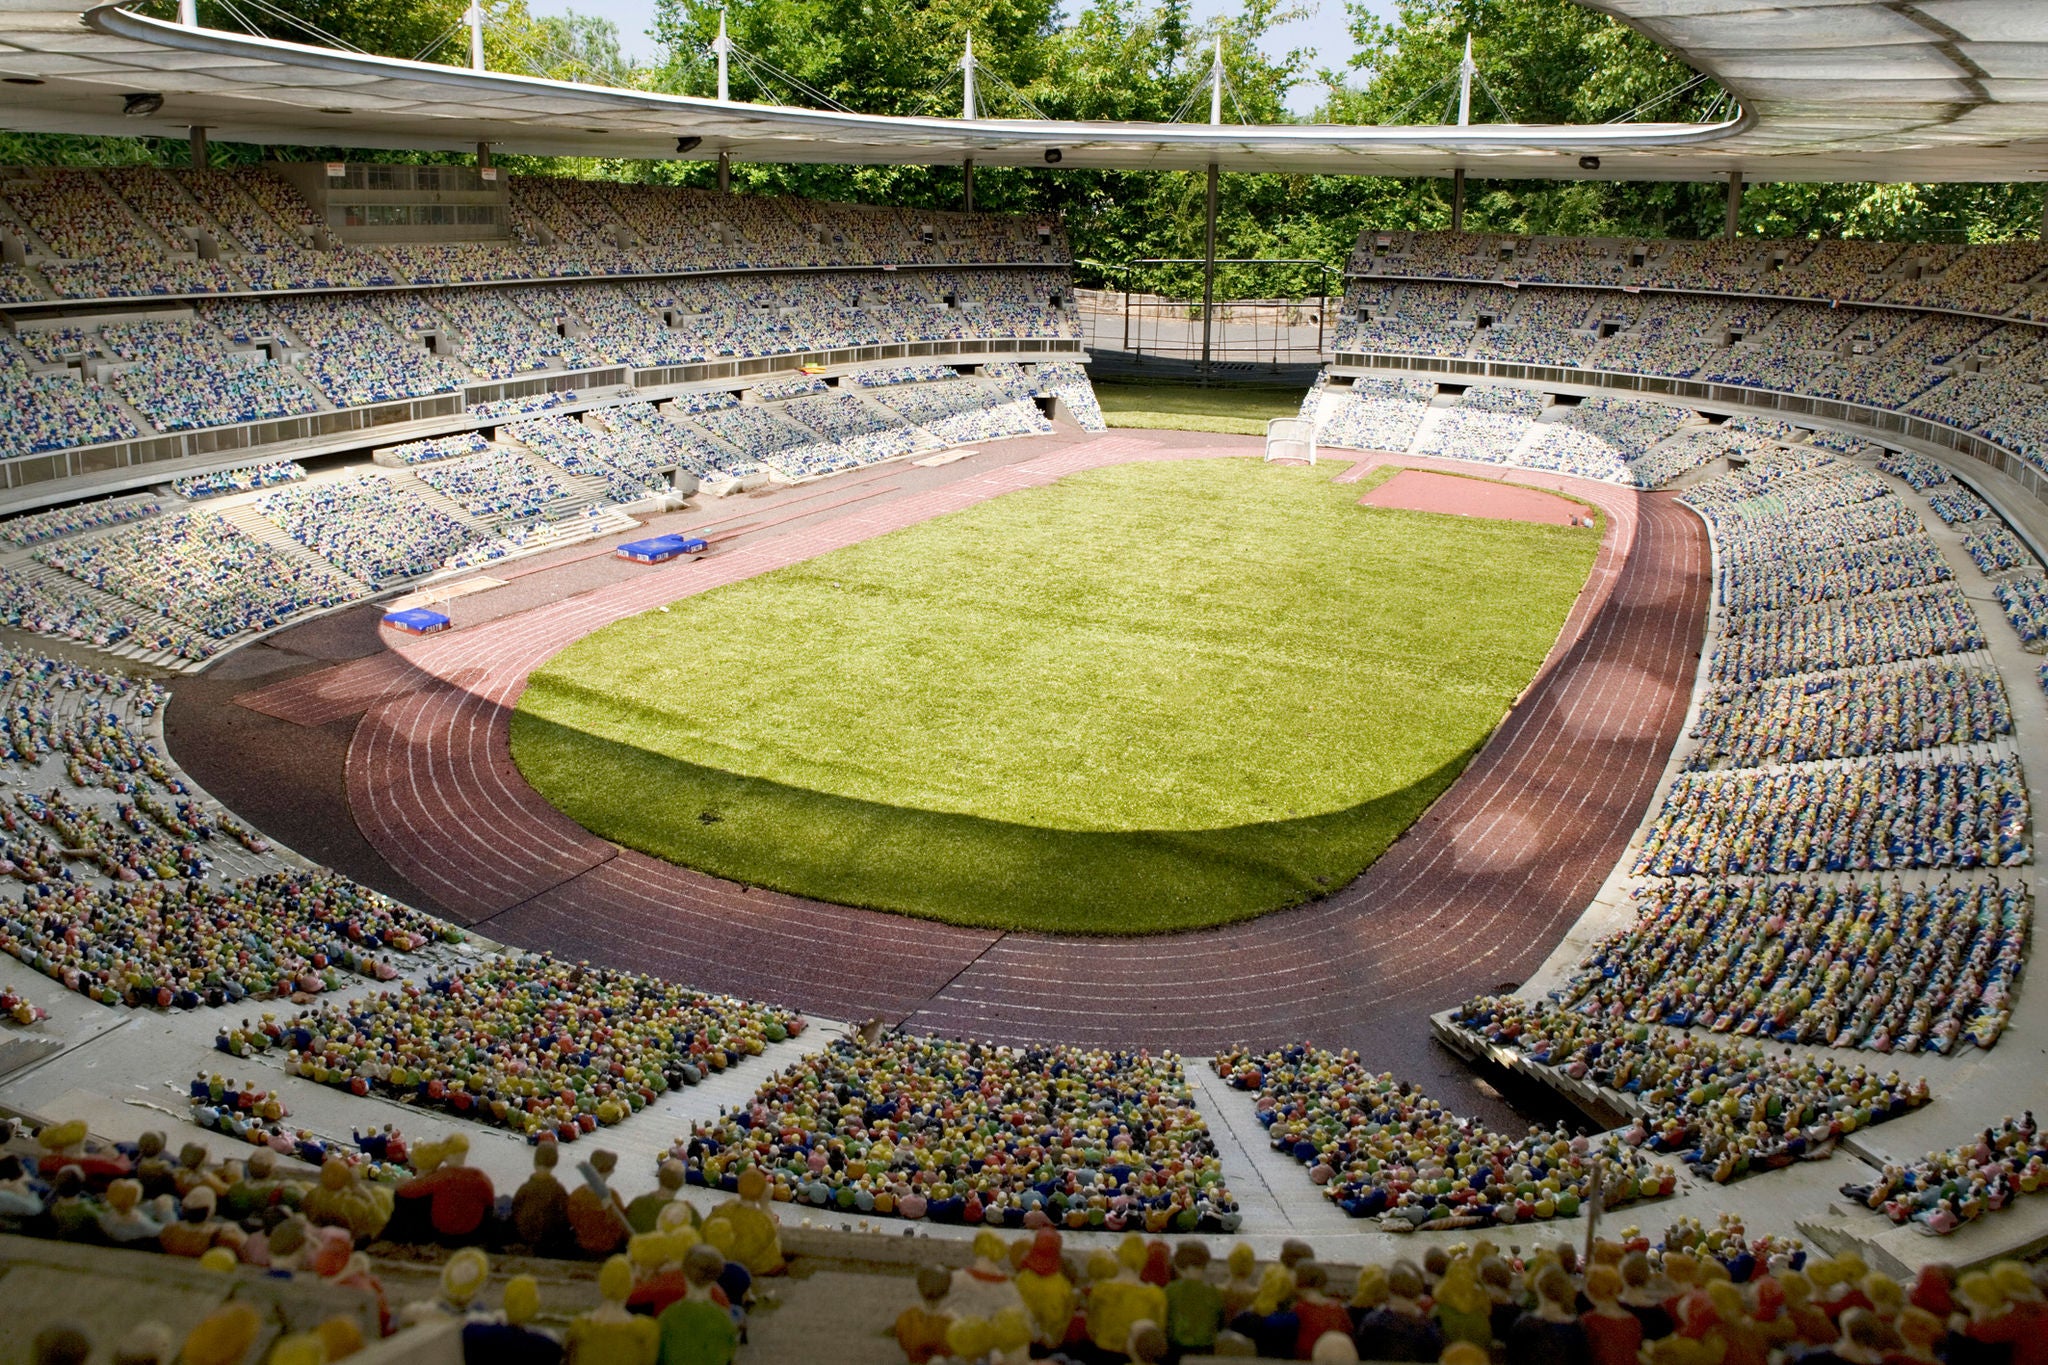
[(1323, 31)]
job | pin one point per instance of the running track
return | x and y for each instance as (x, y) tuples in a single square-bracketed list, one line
[(1474, 896)]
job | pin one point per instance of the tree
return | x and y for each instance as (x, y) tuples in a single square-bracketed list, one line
[(1551, 61)]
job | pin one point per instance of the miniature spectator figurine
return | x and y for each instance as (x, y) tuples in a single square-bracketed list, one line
[(1396, 1328), (1549, 1333), (644, 1212), (510, 1340), (540, 1206), (458, 1196), (608, 1334), (1462, 1311), (1194, 1306), (462, 1278), (124, 1221), (596, 1217), (19, 1203), (1009, 1335), (257, 1187), (736, 1280), (696, 1329), (222, 1337), (156, 1171), (757, 1243), (921, 1328), (192, 1172), (344, 1200), (1614, 1335), (983, 1288), (1117, 1298), (197, 1229), (1242, 1286), (64, 1145), (1315, 1311), (1048, 1294)]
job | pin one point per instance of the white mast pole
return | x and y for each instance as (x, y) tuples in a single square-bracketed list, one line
[(1216, 86), (967, 74), (476, 35), (1466, 70), (188, 13), (722, 45)]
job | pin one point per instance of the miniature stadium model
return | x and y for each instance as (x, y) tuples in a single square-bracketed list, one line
[(610, 755)]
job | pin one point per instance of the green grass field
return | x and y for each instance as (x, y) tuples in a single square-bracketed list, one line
[(1239, 409), (1149, 697)]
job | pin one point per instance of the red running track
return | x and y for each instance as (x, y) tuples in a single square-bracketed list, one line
[(1474, 896)]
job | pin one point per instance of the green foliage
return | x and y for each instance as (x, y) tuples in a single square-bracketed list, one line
[(1939, 213), (1144, 698)]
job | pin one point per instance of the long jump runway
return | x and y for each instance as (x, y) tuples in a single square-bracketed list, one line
[(1472, 897)]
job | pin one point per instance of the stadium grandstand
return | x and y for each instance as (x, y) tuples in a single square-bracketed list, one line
[(620, 770)]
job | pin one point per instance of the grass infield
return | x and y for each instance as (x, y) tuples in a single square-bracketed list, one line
[(1144, 698), (1236, 409)]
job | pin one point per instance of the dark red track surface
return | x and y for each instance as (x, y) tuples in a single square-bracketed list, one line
[(1474, 896), (1423, 490)]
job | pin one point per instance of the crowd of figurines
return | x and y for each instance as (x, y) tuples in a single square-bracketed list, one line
[(974, 1133), (1726, 1108), (677, 1284), (1698, 1296), (1381, 1149)]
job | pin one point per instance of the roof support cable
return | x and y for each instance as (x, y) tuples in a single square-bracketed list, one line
[(306, 25), (1002, 86), (1656, 100), (249, 25), (1401, 114), (1493, 99), (758, 65), (530, 42), (431, 48)]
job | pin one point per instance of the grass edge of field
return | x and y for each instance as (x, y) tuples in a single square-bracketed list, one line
[(1155, 405)]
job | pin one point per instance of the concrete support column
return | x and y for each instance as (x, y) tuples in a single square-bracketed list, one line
[(1458, 200), (1733, 226), (725, 172), (967, 184), (1209, 271), (198, 148)]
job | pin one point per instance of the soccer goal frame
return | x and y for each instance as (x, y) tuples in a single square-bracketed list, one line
[(1291, 438)]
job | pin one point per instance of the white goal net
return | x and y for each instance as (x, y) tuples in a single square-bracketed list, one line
[(1291, 438)]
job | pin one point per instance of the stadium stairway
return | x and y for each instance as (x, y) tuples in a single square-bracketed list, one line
[(585, 494), (406, 481)]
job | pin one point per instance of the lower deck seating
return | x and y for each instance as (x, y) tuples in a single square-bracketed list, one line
[(500, 485), (367, 527), (1080, 1138), (966, 411), (199, 571)]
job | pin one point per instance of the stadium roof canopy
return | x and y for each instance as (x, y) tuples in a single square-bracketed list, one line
[(1830, 90)]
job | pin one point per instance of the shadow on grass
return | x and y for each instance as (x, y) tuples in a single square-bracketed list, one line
[(961, 869)]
